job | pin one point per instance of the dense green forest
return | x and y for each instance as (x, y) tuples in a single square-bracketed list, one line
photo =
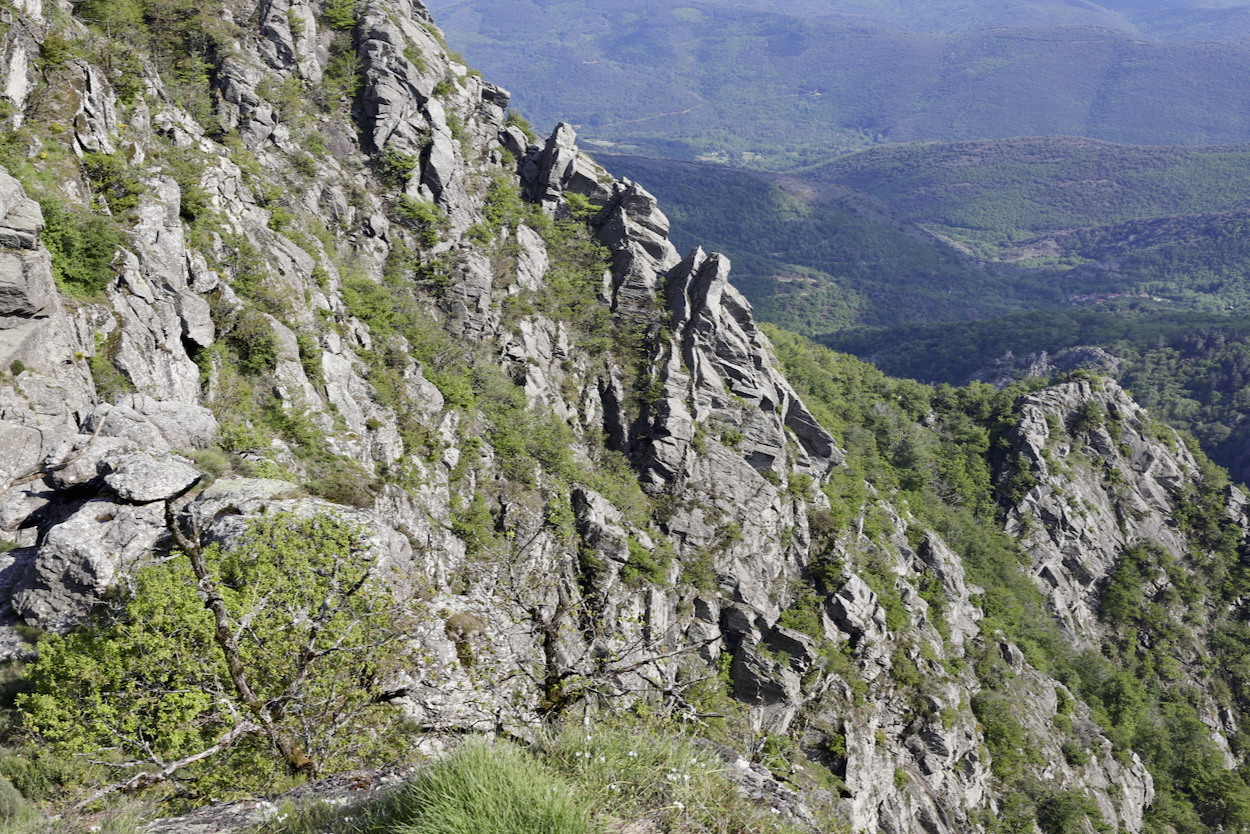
[(992, 194), (815, 255)]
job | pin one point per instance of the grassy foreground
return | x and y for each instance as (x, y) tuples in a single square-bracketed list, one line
[(573, 782)]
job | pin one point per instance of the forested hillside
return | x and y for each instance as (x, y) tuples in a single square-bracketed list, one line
[(778, 87), (990, 195)]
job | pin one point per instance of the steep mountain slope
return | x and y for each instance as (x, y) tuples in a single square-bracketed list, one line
[(320, 317)]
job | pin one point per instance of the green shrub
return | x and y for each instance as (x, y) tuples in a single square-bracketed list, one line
[(39, 773), (343, 482), (413, 54), (1067, 812), (425, 218), (646, 565), (253, 342), (515, 119), (186, 166), (13, 805), (1091, 415), (1004, 735), (147, 678), (212, 462), (82, 246), (115, 180), (110, 383), (474, 524), (395, 167), (56, 51), (339, 15), (370, 302)]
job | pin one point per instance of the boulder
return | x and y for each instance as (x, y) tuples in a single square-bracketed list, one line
[(141, 477)]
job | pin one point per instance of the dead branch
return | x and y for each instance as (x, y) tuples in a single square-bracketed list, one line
[(148, 778)]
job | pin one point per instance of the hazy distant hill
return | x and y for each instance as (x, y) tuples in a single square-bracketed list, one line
[(992, 194), (816, 258), (863, 239), (706, 78)]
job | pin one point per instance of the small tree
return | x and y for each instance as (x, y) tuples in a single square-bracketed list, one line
[(230, 667)]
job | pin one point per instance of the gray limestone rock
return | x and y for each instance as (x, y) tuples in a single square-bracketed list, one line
[(152, 424), (1073, 522), (21, 219), (81, 559), (141, 477), (25, 291), (83, 460), (95, 123)]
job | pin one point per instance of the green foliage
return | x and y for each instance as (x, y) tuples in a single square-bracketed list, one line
[(1091, 415), (504, 206), (339, 15), (342, 481), (1135, 688), (474, 525), (186, 166), (395, 166), (634, 770), (414, 56), (1067, 812), (13, 806), (252, 341), (424, 218), (629, 771), (574, 284), (1007, 739), (185, 39), (146, 678), (56, 51), (82, 246), (115, 181), (580, 207), (522, 798), (110, 382), (646, 565), (513, 118), (371, 303), (520, 436), (343, 76), (805, 614), (991, 193)]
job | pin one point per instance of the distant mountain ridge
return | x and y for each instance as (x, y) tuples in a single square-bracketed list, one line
[(756, 86)]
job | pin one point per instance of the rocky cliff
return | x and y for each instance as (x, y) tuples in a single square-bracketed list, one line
[(343, 277)]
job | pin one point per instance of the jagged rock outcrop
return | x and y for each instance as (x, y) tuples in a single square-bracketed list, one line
[(1010, 368), (587, 475), (1103, 482)]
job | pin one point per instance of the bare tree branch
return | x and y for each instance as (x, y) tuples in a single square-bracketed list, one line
[(148, 778)]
